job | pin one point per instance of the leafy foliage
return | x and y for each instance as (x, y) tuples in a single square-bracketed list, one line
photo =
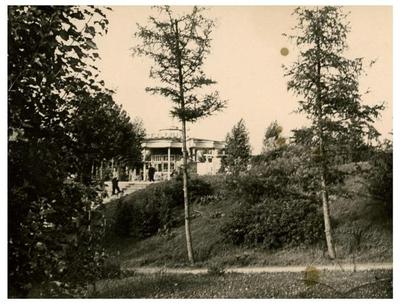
[(380, 177), (57, 107), (237, 150), (57, 240), (278, 173), (275, 223), (344, 153), (102, 130), (278, 202), (154, 209)]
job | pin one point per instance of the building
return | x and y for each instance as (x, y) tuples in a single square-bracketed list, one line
[(163, 151)]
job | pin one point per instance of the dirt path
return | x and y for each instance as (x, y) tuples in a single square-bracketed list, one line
[(268, 269)]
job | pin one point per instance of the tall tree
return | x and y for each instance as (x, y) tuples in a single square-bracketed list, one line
[(54, 227), (102, 131), (272, 137), (179, 46), (328, 83), (238, 149)]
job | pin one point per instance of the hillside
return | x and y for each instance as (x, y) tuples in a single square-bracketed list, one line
[(361, 235)]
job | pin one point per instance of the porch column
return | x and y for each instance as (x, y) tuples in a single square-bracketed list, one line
[(169, 163)]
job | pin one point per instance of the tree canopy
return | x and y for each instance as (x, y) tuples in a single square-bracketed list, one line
[(60, 117), (272, 137), (238, 149)]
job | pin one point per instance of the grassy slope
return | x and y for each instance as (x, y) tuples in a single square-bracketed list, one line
[(360, 235)]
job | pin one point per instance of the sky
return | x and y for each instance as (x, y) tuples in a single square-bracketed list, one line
[(246, 62)]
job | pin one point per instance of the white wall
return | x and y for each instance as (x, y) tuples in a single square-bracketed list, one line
[(209, 168)]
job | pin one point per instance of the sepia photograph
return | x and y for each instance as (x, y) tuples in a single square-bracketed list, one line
[(199, 151)]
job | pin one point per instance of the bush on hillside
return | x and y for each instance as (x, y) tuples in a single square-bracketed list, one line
[(154, 209), (276, 174), (275, 223), (278, 202), (380, 178), (219, 189)]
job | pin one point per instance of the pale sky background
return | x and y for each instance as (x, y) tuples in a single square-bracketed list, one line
[(246, 62)]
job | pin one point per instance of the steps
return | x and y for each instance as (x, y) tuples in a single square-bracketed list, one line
[(126, 187)]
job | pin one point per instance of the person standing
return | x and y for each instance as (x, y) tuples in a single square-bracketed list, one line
[(152, 171), (115, 186)]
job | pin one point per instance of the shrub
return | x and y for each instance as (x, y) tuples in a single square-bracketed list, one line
[(58, 248), (275, 223), (279, 202), (124, 219), (151, 210), (219, 189), (275, 174), (380, 178)]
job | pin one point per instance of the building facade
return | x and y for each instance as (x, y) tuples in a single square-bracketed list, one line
[(163, 151)]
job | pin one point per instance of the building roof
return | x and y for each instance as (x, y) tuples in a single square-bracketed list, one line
[(172, 138)]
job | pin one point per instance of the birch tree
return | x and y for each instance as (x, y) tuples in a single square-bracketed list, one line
[(179, 45), (328, 83)]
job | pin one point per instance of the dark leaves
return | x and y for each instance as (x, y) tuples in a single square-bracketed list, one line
[(64, 35), (54, 104), (91, 44), (90, 29)]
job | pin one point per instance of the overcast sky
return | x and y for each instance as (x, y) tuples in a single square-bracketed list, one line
[(246, 62)]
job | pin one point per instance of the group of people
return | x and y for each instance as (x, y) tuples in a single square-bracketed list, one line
[(152, 171), (151, 174), (114, 180)]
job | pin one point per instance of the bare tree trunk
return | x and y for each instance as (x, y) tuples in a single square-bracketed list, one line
[(325, 196), (185, 197), (327, 218)]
